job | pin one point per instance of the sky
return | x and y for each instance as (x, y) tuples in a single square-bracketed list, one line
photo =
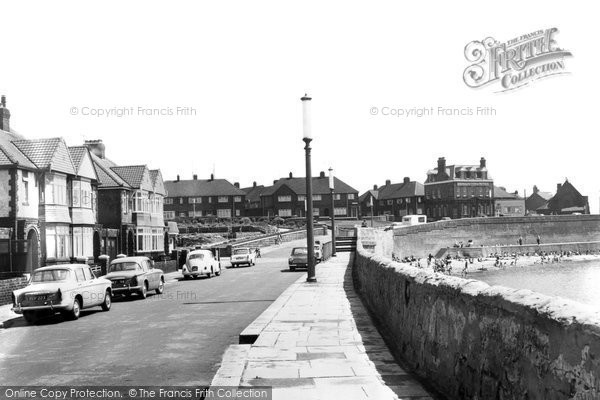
[(229, 77)]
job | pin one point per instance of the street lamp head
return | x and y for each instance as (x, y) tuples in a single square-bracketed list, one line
[(331, 180), (306, 117)]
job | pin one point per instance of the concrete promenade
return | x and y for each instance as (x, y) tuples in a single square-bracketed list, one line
[(317, 341)]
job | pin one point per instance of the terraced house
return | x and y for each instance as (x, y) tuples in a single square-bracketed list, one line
[(47, 202), (202, 198), (394, 199), (286, 198), (131, 205)]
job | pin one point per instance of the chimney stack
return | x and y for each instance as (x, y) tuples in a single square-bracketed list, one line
[(195, 177), (96, 147), (177, 178), (406, 179), (535, 189), (482, 162), (291, 176), (322, 174), (237, 185), (275, 181), (212, 177), (374, 187), (388, 182), (441, 165), (254, 184), (4, 115)]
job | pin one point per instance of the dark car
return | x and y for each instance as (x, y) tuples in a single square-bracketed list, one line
[(298, 258)]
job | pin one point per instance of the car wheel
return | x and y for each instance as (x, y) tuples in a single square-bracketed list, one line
[(107, 301), (161, 286), (210, 274), (218, 273), (144, 291), (75, 313), (30, 317)]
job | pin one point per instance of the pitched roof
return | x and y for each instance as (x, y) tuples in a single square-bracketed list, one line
[(51, 154), (202, 187), (106, 177), (501, 193), (401, 190), (137, 176), (253, 193), (157, 182), (372, 192), (77, 153), (10, 155), (320, 185)]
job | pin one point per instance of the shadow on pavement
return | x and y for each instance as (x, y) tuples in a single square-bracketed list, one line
[(394, 372)]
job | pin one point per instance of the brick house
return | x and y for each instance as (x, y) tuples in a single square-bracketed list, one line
[(567, 200), (508, 204), (200, 198), (286, 198), (48, 201), (459, 191), (253, 205), (130, 206), (536, 200), (395, 199), (368, 201)]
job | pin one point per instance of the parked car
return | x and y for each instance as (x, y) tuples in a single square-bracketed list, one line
[(298, 258), (201, 262), (135, 275), (67, 288), (243, 255)]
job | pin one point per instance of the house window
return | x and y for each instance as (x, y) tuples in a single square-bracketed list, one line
[(316, 197), (316, 212), (83, 245), (181, 200), (56, 190), (301, 197), (209, 199), (58, 242), (169, 214), (223, 199), (341, 211), (182, 214), (224, 213), (195, 200), (408, 200), (337, 196), (283, 199), (26, 191), (351, 196), (399, 201), (191, 214), (237, 199), (390, 202), (237, 213), (168, 200), (284, 212)]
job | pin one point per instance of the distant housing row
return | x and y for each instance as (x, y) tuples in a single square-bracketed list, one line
[(60, 203)]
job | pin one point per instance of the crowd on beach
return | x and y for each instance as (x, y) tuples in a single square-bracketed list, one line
[(462, 266)]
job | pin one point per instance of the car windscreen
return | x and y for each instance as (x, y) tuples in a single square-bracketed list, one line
[(50, 275), (241, 251), (197, 256), (124, 266), (300, 251)]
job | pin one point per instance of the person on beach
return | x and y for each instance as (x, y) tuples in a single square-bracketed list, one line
[(538, 240), (520, 240), (464, 271)]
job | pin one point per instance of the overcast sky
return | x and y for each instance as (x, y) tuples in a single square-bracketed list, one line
[(243, 67)]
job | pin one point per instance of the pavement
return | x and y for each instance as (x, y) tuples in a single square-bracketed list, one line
[(317, 341)]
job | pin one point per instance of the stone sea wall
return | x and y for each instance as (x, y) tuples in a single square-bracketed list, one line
[(474, 341), (434, 238)]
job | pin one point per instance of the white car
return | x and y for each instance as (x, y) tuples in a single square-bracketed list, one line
[(67, 288), (201, 263), (243, 255)]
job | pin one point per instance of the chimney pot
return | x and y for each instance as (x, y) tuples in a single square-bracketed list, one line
[(96, 147), (254, 184), (374, 187), (322, 174), (212, 177), (237, 185), (177, 178), (388, 182), (482, 162), (291, 175), (406, 179), (195, 177)]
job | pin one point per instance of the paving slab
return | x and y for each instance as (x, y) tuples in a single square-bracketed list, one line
[(317, 341)]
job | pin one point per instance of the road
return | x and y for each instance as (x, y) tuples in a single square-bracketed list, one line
[(176, 338)]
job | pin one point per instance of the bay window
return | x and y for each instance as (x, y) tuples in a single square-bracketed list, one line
[(58, 242)]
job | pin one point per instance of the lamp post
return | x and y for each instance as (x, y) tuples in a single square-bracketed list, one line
[(310, 240), (331, 187)]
